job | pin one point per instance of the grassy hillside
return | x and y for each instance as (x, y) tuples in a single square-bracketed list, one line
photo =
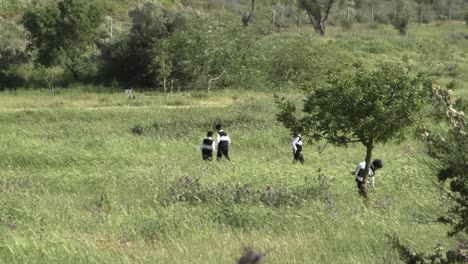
[(96, 178)]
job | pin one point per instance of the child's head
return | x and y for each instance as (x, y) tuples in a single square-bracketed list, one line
[(209, 134), (377, 163), (219, 127)]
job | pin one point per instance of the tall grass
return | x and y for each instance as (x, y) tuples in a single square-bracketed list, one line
[(79, 186)]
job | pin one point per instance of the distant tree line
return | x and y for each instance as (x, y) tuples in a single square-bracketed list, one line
[(168, 45)]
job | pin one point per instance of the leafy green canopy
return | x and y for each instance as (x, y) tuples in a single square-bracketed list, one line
[(64, 33), (360, 106)]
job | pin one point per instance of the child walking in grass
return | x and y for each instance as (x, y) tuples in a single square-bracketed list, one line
[(223, 141), (297, 149), (208, 146), (359, 172)]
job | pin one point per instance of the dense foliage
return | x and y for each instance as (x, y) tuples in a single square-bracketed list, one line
[(65, 33), (189, 45), (449, 148)]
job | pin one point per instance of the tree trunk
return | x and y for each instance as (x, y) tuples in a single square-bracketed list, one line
[(369, 148), (274, 18), (372, 15), (172, 86), (320, 28), (165, 90), (73, 71), (420, 16), (317, 23), (300, 20), (111, 28)]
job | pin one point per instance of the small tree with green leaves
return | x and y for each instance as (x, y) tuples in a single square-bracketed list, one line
[(162, 63), (366, 106)]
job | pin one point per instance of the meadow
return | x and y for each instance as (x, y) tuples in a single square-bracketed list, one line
[(92, 177), (89, 176)]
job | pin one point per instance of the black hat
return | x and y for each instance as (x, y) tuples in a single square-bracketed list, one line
[(377, 163)]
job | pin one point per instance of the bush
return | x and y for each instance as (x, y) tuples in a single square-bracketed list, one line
[(347, 24), (10, 61), (138, 129), (401, 18)]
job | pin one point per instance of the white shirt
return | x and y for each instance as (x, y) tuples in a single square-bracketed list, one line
[(223, 138), (361, 166), (203, 146), (296, 141)]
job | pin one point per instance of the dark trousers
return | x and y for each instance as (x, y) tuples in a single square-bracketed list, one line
[(223, 149), (298, 155), (359, 183), (207, 154)]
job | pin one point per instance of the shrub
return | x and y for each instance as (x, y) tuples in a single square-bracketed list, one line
[(138, 129), (347, 24), (401, 18), (10, 61)]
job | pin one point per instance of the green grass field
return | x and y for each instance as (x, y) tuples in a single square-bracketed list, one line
[(97, 178)]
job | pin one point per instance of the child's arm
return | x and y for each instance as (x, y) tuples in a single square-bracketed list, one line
[(294, 144)]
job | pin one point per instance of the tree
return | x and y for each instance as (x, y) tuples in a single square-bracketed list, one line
[(318, 11), (401, 17), (151, 24), (422, 7), (162, 62), (348, 13), (10, 59), (246, 17), (466, 17), (366, 106), (65, 33)]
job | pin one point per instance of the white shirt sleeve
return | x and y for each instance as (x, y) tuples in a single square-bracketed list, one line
[(214, 146), (226, 138), (294, 143), (372, 180), (360, 165)]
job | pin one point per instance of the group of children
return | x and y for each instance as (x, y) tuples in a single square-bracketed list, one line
[(208, 146)]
